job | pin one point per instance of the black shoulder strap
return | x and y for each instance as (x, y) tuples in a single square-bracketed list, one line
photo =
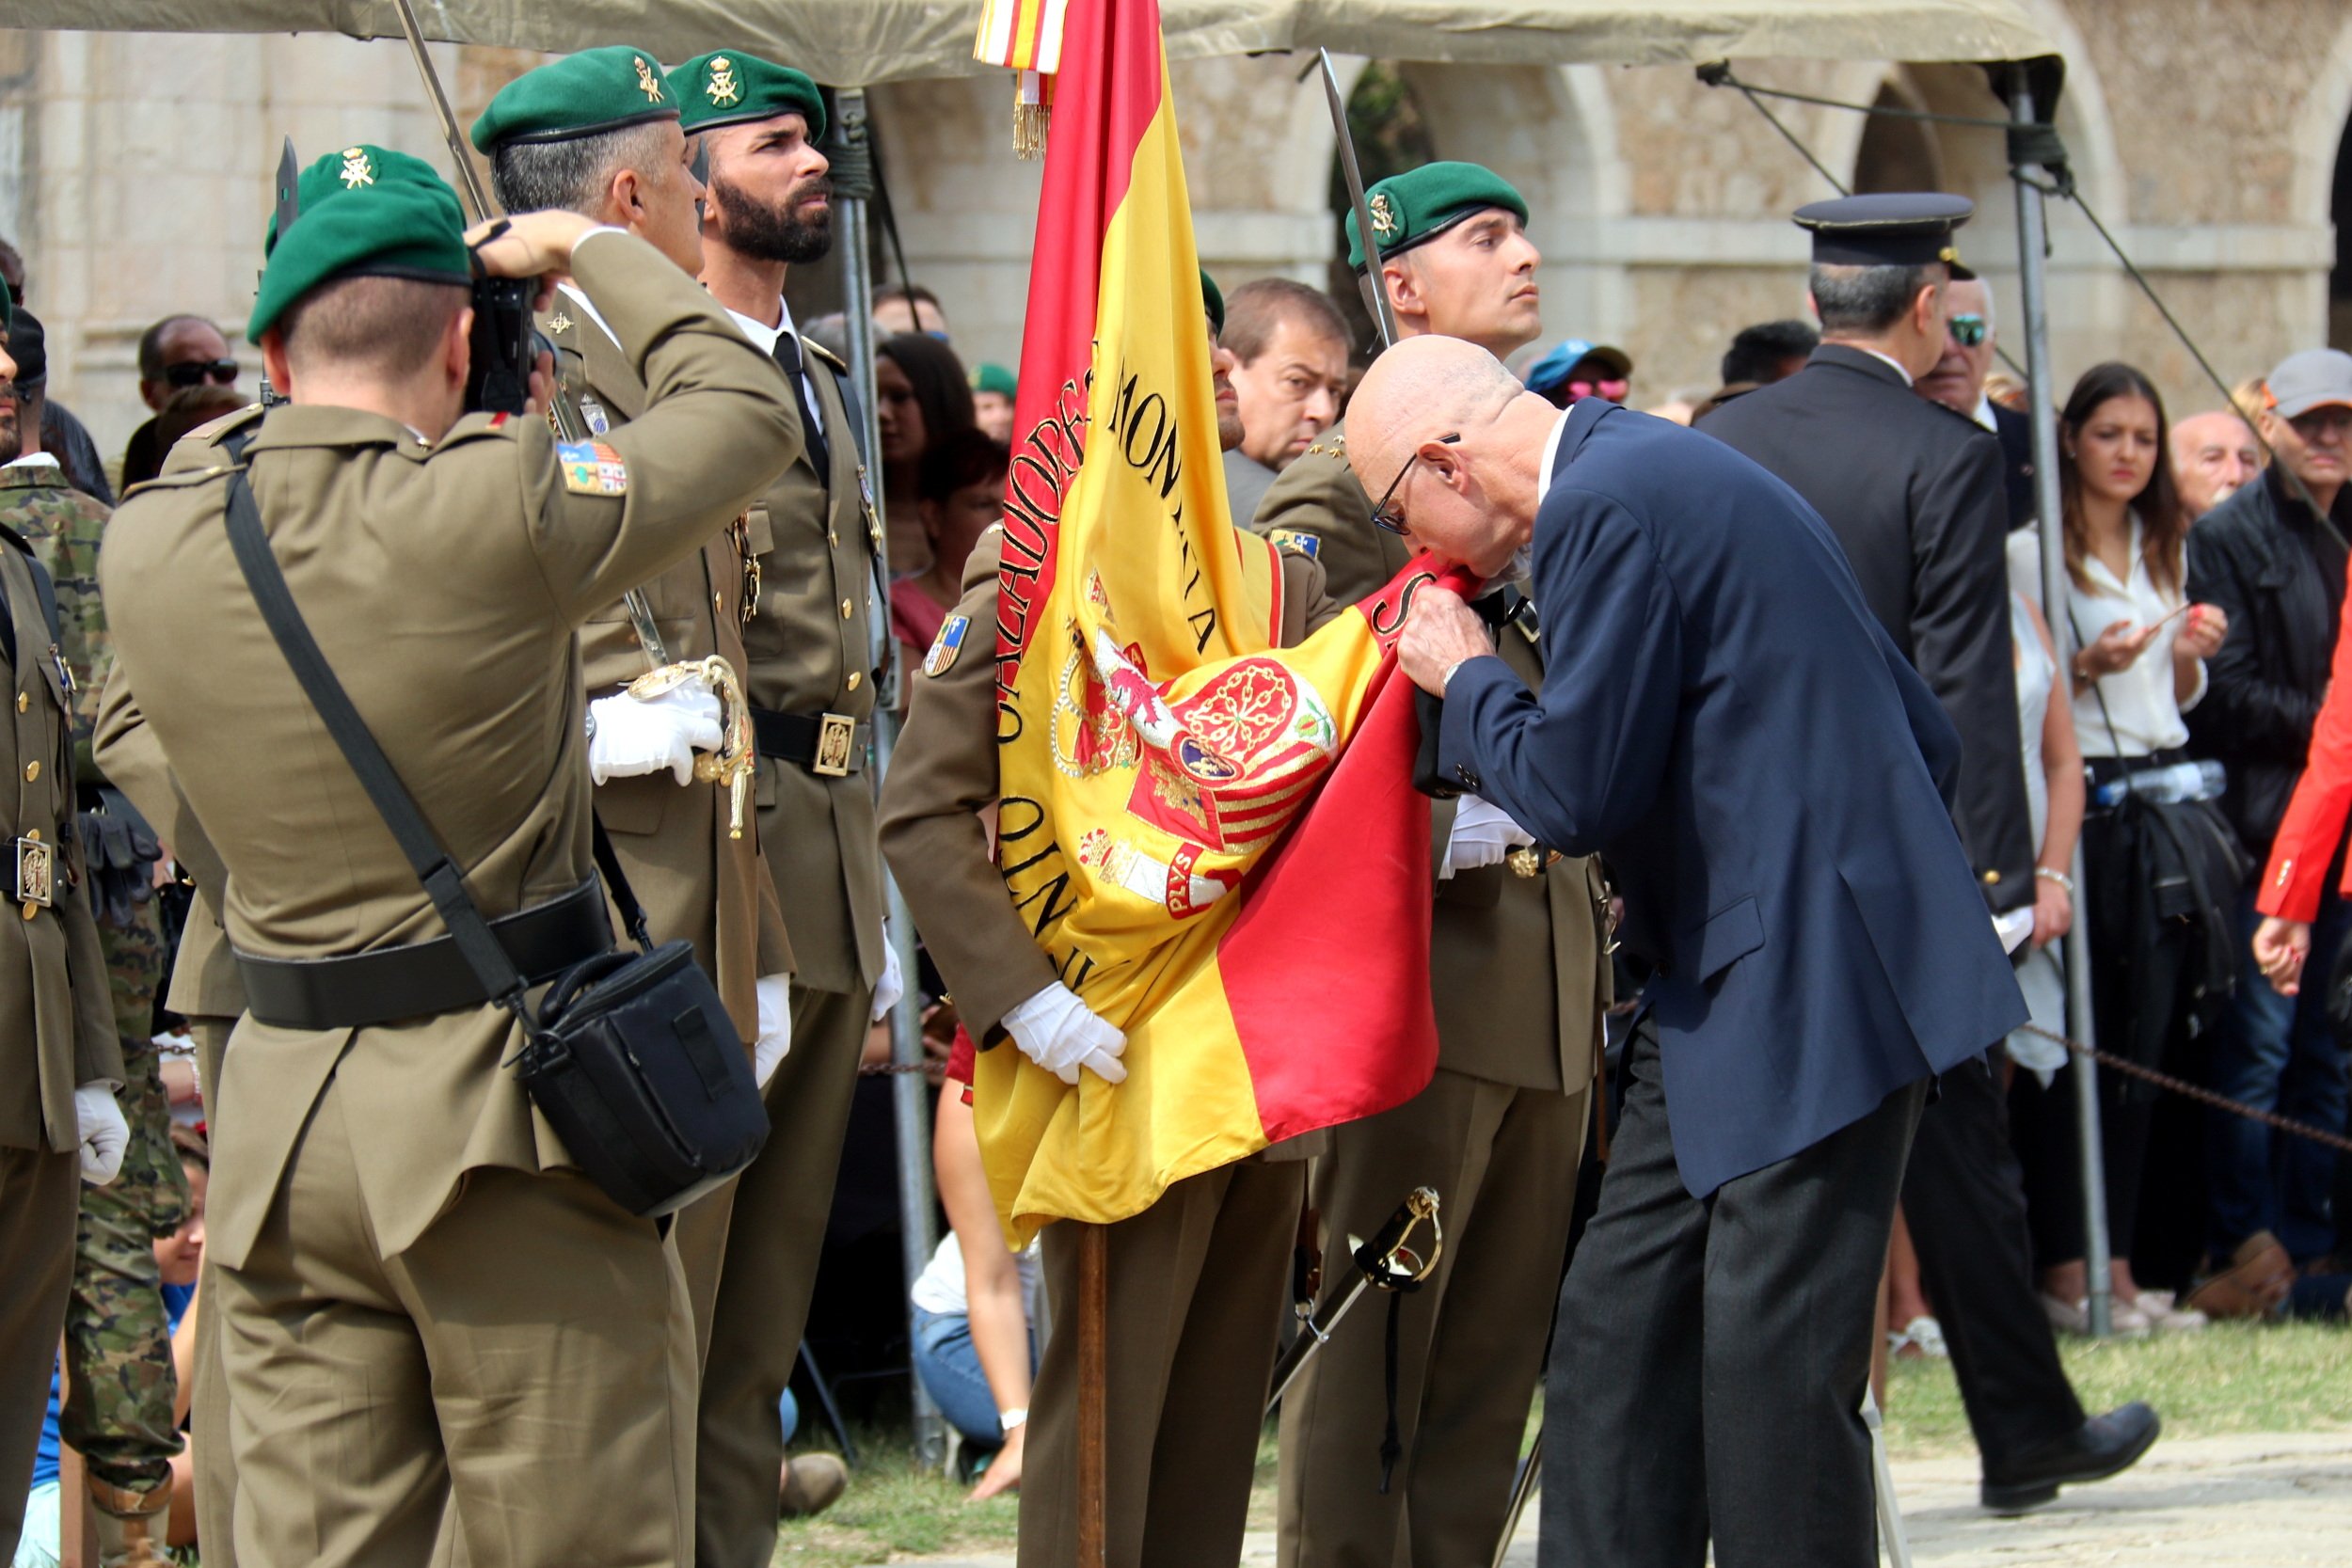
[(431, 860)]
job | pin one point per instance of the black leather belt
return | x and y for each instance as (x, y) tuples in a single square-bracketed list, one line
[(832, 745), (424, 977)]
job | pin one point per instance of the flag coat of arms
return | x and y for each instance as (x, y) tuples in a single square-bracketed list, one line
[(1157, 755)]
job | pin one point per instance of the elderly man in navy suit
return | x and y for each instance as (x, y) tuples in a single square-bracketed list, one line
[(1721, 717)]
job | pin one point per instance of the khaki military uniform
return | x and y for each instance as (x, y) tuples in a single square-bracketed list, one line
[(387, 1282), (696, 882), (1520, 980), (56, 1032), (812, 649), (1196, 1283)]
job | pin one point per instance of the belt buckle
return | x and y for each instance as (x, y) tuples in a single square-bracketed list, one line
[(835, 733), (35, 874)]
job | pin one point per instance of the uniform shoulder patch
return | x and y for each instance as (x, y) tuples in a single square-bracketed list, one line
[(948, 645), (592, 468), (1296, 540), (828, 356)]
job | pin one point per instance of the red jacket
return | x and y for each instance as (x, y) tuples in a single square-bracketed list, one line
[(2313, 824)]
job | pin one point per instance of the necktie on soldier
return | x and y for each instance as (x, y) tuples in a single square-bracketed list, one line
[(819, 454)]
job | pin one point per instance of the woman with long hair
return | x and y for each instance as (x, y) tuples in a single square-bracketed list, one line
[(921, 397), (2140, 666)]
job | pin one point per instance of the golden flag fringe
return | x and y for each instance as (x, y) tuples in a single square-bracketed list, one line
[(1024, 36)]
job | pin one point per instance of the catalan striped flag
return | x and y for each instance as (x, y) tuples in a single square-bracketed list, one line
[(1158, 756)]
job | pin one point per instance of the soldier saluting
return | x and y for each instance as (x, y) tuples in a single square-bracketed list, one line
[(423, 1308)]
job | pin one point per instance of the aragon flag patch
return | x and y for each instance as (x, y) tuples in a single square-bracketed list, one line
[(592, 468), (1293, 541), (946, 645)]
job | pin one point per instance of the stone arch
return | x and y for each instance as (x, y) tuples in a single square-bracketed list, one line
[(2321, 189)]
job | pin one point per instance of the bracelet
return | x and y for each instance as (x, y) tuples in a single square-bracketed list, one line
[(1447, 678), (2051, 874), (1017, 1416)]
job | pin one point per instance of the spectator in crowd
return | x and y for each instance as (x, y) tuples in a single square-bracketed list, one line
[(993, 390), (2279, 570), (191, 408), (1958, 383), (2213, 455), (2009, 393), (975, 1302), (2249, 399), (1289, 344), (62, 435), (1768, 352), (178, 1258), (2142, 666), (963, 492), (921, 397), (830, 332), (1576, 370), (900, 307), (176, 353)]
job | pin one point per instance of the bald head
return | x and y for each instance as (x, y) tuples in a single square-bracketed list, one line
[(1462, 440), (2213, 455)]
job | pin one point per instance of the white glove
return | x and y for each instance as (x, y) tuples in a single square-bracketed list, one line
[(1482, 834), (893, 984), (1061, 1033), (775, 1026), (104, 1133), (644, 734)]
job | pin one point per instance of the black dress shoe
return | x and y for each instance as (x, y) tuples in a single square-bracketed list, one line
[(2103, 1446)]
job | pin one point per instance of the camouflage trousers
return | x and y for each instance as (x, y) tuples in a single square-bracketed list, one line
[(120, 1384)]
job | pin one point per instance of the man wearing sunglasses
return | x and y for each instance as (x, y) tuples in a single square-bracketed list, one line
[(1577, 370), (1518, 977), (175, 354), (1956, 381)]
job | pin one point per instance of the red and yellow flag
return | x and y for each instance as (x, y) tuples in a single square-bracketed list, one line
[(1157, 757)]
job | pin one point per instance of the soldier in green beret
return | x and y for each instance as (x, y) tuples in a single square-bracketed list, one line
[(425, 1312), (60, 1062), (119, 1383), (993, 388), (599, 134), (814, 644), (1520, 980)]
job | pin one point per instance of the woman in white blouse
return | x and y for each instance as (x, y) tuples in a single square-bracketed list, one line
[(2140, 666)]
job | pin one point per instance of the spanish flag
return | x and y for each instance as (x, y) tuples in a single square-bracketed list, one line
[(1158, 756)]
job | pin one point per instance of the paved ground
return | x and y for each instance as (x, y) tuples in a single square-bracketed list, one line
[(2217, 1502)]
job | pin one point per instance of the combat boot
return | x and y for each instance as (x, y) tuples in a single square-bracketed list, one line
[(130, 1524)]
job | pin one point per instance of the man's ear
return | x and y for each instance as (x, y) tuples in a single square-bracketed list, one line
[(624, 198), (457, 347), (1926, 311), (1404, 285), (275, 362), (1813, 304)]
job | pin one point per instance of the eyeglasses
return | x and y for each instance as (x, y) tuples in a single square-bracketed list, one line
[(194, 373), (1386, 517), (1969, 331), (1612, 388)]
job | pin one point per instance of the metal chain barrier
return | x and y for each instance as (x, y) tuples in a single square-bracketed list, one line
[(2195, 1091)]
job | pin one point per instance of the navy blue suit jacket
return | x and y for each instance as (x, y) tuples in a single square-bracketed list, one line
[(1724, 720)]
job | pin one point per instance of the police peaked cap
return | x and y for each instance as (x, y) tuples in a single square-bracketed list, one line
[(1895, 229)]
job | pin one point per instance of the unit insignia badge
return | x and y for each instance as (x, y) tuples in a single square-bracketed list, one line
[(1383, 215), (647, 83), (592, 468), (946, 645), (723, 88), (358, 170)]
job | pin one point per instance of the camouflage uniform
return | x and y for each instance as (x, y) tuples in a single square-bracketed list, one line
[(117, 1339)]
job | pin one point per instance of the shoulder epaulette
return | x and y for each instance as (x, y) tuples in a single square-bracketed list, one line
[(828, 356), (180, 478)]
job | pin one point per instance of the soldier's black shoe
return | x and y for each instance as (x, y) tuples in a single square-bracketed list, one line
[(2103, 1446)]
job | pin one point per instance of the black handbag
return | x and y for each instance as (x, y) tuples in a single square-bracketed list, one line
[(630, 1056)]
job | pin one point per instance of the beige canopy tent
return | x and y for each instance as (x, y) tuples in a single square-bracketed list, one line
[(861, 43)]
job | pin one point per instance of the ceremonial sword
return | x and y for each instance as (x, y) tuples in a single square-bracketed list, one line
[(1386, 1261), (1376, 292)]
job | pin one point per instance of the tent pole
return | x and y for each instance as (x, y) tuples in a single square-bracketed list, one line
[(910, 1090), (2032, 234)]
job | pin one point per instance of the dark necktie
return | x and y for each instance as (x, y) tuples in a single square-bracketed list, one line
[(819, 454)]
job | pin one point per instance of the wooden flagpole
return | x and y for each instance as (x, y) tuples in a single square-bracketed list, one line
[(1094, 1412)]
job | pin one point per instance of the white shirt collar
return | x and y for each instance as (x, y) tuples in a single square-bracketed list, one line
[(1984, 414), (764, 335), (1551, 456), (571, 292), (1884, 361)]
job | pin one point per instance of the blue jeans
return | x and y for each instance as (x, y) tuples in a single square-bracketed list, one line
[(949, 1366), (2277, 1053)]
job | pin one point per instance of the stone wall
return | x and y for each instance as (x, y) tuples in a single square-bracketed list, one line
[(133, 171)]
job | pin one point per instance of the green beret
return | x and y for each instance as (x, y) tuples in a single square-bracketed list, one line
[(580, 95), (354, 168), (729, 87), (994, 378), (1214, 297), (406, 224), (1422, 203)]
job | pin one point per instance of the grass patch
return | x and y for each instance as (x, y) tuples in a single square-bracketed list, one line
[(2231, 1377), (896, 1509)]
